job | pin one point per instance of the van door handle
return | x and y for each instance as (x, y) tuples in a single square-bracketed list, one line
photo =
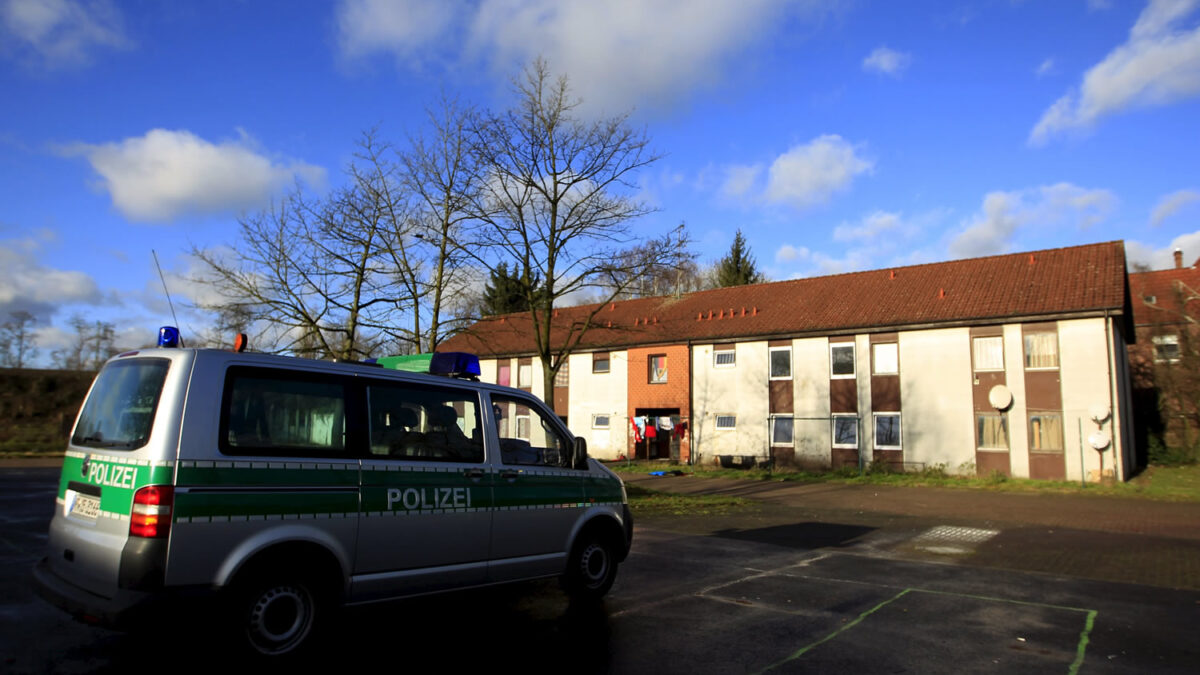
[(473, 474), (509, 474)]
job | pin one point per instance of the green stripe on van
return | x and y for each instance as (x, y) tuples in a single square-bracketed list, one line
[(275, 503), (117, 477)]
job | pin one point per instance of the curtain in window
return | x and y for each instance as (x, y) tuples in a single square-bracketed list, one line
[(991, 431), (1041, 350), (989, 353), (1045, 432)]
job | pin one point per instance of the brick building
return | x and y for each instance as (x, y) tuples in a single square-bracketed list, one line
[(1014, 364)]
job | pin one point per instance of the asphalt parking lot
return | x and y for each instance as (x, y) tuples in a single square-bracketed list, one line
[(778, 592)]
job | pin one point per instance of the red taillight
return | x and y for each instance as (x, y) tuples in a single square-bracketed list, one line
[(151, 517)]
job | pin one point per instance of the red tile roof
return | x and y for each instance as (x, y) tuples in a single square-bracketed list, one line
[(1038, 285), (1168, 289)]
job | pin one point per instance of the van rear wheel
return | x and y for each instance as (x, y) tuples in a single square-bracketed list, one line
[(277, 616), (592, 567)]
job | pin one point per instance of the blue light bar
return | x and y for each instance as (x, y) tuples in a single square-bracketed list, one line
[(455, 364), (168, 336)]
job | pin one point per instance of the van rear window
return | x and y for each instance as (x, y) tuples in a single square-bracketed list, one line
[(119, 412)]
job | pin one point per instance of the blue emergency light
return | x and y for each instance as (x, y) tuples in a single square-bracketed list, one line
[(168, 336)]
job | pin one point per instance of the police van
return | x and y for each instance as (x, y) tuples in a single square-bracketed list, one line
[(286, 487)]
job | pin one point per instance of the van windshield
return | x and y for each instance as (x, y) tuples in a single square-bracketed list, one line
[(120, 410)]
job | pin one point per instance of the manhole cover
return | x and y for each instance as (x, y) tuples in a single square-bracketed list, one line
[(952, 540)]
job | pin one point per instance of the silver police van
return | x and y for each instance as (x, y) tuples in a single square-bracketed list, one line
[(285, 488)]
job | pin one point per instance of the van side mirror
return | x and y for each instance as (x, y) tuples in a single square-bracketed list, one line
[(579, 454)]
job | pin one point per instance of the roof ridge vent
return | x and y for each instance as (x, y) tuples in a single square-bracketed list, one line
[(941, 294), (1032, 259)]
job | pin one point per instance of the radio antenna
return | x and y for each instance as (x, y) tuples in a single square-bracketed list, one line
[(166, 292)]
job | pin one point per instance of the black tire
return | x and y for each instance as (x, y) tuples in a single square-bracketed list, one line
[(277, 616), (591, 568)]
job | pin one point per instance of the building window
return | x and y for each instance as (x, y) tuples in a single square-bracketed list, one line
[(991, 431), (523, 425), (726, 421), (1041, 350), (887, 431), (886, 358), (563, 377), (781, 363), (845, 431), (658, 369), (504, 377), (600, 421), (1045, 432), (841, 360), (1166, 348), (988, 352), (724, 358), (600, 362), (525, 375), (781, 431)]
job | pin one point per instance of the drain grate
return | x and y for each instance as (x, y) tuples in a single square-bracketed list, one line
[(952, 540)]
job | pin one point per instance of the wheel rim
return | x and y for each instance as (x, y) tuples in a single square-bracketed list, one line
[(593, 565), (280, 618)]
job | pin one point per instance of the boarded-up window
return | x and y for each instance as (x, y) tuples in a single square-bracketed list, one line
[(886, 358)]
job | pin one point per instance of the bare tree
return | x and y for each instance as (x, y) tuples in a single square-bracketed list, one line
[(18, 342), (557, 202), (91, 347)]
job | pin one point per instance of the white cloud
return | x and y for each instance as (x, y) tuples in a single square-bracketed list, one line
[(875, 225), (886, 61), (788, 254), (1158, 65), (1045, 68), (59, 33), (740, 180), (1164, 258), (812, 173), (1171, 204), (991, 230), (167, 174), (618, 53), (26, 284)]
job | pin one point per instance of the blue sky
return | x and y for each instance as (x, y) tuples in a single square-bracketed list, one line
[(839, 136)]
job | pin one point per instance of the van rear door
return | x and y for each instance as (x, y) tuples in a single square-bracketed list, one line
[(123, 441)]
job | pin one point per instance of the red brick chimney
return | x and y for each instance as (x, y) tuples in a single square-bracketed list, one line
[(1178, 258)]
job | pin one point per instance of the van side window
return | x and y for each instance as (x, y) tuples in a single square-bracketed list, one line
[(278, 412), (410, 421), (527, 436)]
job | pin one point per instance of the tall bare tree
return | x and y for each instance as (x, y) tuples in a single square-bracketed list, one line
[(18, 342), (558, 201)]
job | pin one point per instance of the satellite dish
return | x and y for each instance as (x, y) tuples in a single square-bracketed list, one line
[(1000, 397), (1098, 412), (1099, 440)]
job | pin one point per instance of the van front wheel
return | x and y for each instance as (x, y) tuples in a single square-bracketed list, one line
[(592, 567)]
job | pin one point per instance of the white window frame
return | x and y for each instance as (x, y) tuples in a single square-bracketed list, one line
[(1162, 341), (725, 416), (791, 442), (1004, 421), (986, 339), (770, 363), (899, 431), (853, 360), (875, 358), (607, 362), (723, 351), (1057, 352), (525, 375), (833, 430), (596, 421)]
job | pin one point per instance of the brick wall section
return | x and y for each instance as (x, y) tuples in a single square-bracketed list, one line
[(673, 394)]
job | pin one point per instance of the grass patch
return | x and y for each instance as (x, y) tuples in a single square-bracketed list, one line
[(645, 502), (1164, 483)]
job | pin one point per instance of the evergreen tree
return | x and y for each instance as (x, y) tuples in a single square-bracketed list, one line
[(738, 268), (506, 292)]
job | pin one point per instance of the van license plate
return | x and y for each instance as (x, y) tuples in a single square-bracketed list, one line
[(83, 506)]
